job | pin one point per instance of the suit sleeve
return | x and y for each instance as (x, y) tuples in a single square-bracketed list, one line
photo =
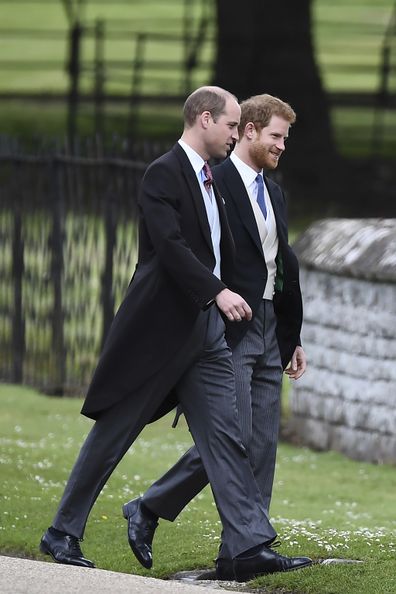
[(160, 206)]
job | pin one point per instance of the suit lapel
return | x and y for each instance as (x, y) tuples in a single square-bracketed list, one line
[(278, 208), (239, 195), (227, 240), (195, 191)]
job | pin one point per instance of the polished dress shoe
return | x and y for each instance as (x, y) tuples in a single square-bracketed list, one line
[(265, 561), (224, 569), (141, 530), (64, 549)]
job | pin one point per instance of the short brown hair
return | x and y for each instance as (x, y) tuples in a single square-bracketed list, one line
[(207, 98), (259, 110)]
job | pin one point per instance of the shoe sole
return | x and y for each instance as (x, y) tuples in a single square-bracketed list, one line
[(225, 578), (127, 513)]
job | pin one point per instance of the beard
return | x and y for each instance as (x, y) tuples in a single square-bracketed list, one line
[(262, 157)]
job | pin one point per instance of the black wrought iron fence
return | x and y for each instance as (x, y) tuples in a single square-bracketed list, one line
[(68, 246)]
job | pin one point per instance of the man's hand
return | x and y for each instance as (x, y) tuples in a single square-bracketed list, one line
[(298, 364), (233, 306)]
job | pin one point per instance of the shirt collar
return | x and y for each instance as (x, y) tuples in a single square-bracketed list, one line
[(247, 174), (196, 160)]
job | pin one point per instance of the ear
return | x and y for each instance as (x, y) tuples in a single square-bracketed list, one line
[(250, 131), (206, 118)]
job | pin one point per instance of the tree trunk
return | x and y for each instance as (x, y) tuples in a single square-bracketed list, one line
[(266, 47)]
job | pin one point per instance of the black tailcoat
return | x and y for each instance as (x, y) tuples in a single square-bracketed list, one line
[(172, 283)]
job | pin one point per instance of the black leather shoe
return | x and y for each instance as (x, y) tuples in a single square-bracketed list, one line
[(141, 530), (64, 549), (224, 569), (266, 561)]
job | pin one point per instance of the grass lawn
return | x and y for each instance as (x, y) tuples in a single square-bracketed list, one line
[(348, 37), (324, 505)]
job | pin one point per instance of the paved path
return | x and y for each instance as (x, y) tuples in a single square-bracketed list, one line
[(25, 576)]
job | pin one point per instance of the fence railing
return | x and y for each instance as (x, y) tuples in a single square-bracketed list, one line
[(68, 247), (170, 64)]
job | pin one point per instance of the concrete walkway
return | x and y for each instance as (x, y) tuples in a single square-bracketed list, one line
[(25, 576)]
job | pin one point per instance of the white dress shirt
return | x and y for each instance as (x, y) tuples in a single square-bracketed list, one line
[(212, 211)]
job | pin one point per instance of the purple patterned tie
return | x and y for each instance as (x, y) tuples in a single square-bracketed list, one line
[(208, 178)]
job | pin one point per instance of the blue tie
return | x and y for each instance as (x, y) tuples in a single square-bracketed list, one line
[(260, 194)]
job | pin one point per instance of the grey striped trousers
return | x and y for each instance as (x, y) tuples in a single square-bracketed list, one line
[(258, 377)]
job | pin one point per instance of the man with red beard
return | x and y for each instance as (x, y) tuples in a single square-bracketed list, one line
[(266, 275)]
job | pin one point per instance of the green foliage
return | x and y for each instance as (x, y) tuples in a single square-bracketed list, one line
[(324, 505)]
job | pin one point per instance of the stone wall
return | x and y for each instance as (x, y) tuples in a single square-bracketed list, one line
[(346, 400)]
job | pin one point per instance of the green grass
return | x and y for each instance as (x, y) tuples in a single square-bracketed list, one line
[(122, 20), (350, 34), (48, 120), (324, 505), (348, 37), (346, 32), (361, 132)]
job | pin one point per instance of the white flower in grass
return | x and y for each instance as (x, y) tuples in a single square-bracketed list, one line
[(327, 546)]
